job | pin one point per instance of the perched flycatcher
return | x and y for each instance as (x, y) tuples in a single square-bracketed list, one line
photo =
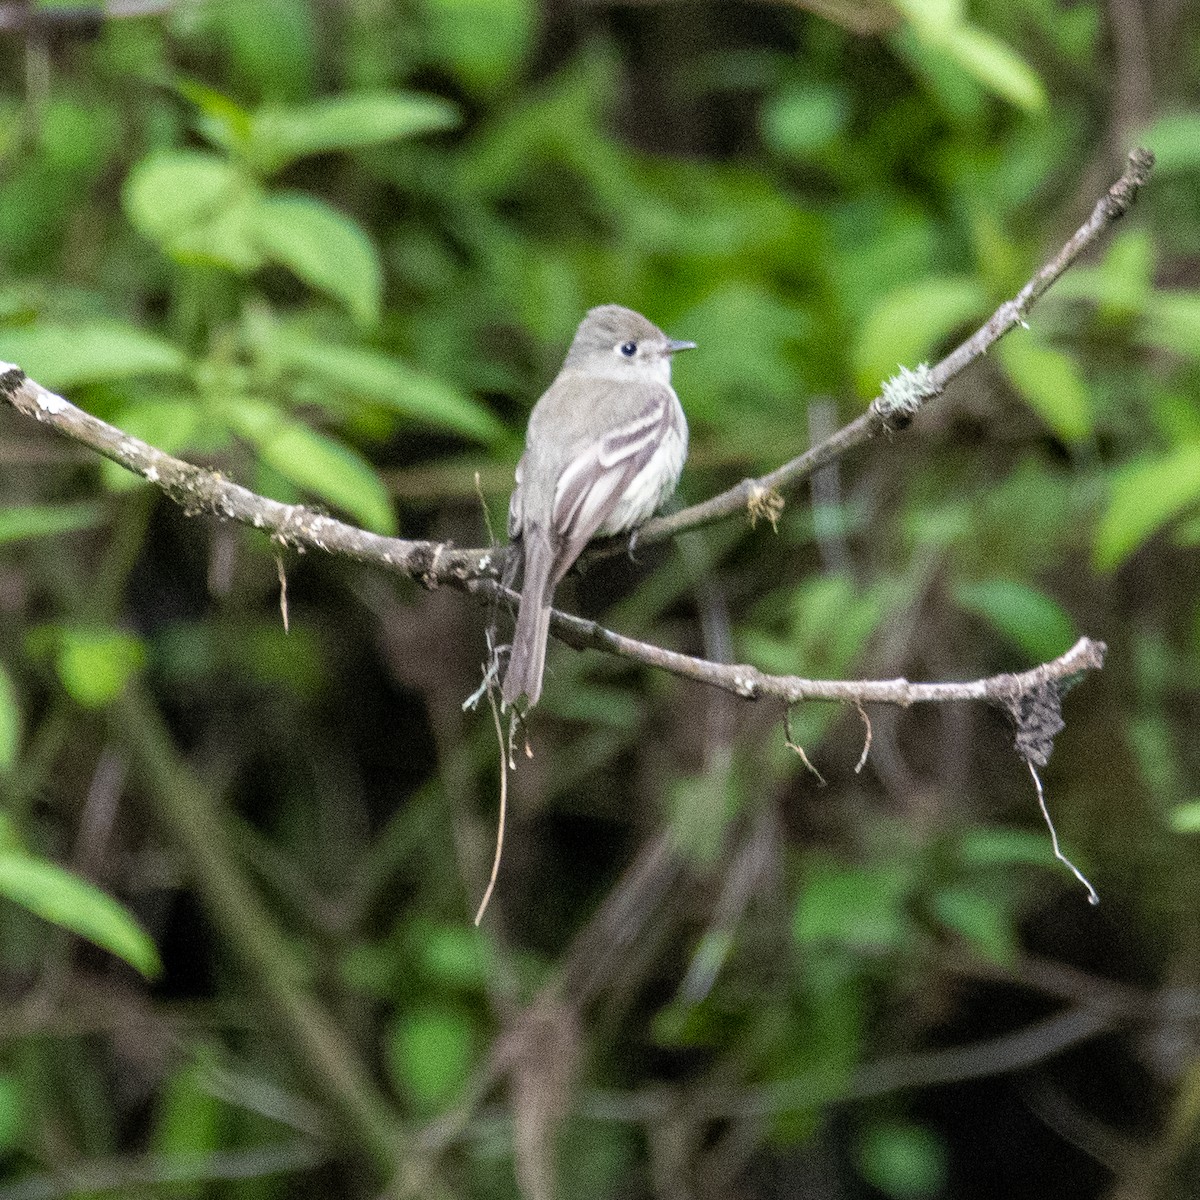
[(604, 450)]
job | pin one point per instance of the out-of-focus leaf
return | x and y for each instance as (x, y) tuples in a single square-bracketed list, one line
[(996, 65), (989, 846), (855, 907), (64, 899), (1172, 321), (196, 206), (268, 46), (747, 336), (66, 356), (803, 120), (10, 723), (1185, 818), (189, 1117), (278, 135), (430, 1052), (932, 15), (329, 470), (1026, 617), (1146, 494), (47, 520), (94, 665), (1175, 140), (482, 41), (454, 956), (907, 324), (979, 920), (903, 1160), (13, 1107), (355, 371), (323, 247), (1128, 272), (224, 122), (1051, 382)]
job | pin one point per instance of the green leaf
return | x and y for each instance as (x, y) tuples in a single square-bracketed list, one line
[(1146, 494), (1026, 617), (197, 207), (430, 1053), (931, 15), (989, 846), (1175, 140), (330, 470), (13, 1109), (907, 325), (94, 665), (323, 247), (856, 907), (1050, 382), (1172, 321), (803, 120), (482, 41), (224, 122), (979, 920), (281, 135), (366, 373), (10, 723), (454, 957), (903, 1160), (47, 520), (64, 899), (66, 356), (997, 66), (1185, 818), (190, 1118)]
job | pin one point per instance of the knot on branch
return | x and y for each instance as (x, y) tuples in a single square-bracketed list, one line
[(1036, 710), (11, 378), (902, 396), (1124, 192), (765, 504)]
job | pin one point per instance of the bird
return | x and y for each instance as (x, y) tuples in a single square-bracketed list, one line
[(604, 450)]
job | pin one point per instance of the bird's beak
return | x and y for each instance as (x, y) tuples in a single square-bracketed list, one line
[(674, 347)]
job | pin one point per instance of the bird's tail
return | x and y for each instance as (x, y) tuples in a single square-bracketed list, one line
[(528, 656)]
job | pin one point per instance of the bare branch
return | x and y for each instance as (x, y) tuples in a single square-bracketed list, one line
[(750, 683), (200, 490)]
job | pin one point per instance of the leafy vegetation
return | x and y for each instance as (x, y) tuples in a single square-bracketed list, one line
[(335, 252)]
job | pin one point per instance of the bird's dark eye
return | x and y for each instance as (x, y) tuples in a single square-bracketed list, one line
[(629, 349)]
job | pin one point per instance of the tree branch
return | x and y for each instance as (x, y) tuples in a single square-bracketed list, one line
[(752, 684), (200, 490)]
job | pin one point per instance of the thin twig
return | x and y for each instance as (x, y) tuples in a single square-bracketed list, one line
[(504, 762), (283, 600), (1093, 898), (866, 750)]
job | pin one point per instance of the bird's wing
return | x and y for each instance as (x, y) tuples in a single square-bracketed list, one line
[(594, 480), (515, 514)]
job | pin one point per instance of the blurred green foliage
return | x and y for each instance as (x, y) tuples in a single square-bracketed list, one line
[(335, 252)]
